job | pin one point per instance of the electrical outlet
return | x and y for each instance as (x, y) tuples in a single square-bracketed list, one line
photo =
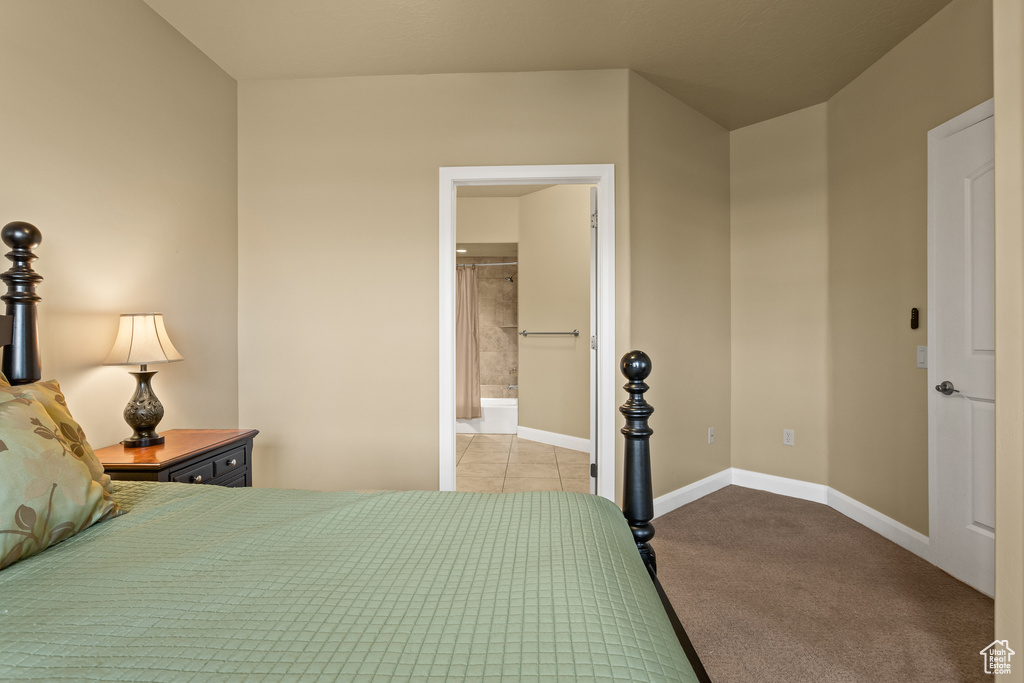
[(787, 437), (711, 435)]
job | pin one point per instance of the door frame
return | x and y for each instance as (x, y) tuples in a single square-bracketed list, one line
[(935, 136), (602, 392)]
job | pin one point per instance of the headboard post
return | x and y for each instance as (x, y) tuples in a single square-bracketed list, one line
[(21, 358), (637, 493)]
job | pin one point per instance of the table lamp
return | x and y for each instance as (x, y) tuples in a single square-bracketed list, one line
[(142, 340)]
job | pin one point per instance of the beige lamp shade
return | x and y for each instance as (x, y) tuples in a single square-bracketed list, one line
[(141, 340)]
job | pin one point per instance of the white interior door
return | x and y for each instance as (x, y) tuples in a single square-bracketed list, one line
[(593, 340), (961, 332)]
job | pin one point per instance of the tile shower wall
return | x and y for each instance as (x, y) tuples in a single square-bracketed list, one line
[(498, 308)]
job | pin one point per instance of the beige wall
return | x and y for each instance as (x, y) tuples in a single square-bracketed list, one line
[(554, 295), (118, 141), (877, 215), (1009, 121), (780, 295), (487, 219), (679, 254), (338, 181)]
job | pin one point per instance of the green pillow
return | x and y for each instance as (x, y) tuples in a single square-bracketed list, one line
[(50, 396), (46, 493)]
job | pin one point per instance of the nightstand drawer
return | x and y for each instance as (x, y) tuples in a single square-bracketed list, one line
[(233, 460), (237, 482), (200, 474)]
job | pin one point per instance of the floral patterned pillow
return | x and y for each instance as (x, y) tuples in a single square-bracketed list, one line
[(50, 396), (46, 493)]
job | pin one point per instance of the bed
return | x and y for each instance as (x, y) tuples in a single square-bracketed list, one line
[(196, 582)]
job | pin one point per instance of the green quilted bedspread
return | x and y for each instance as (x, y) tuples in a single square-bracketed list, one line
[(202, 583)]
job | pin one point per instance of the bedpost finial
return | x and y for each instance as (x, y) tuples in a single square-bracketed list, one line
[(636, 366), (21, 356), (21, 235), (637, 493)]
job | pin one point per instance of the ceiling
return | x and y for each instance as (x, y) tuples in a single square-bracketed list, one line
[(736, 61)]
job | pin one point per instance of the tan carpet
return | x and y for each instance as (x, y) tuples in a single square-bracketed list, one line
[(770, 588)]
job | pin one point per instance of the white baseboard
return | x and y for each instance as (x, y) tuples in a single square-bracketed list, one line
[(561, 440), (794, 488), (898, 533), (688, 494)]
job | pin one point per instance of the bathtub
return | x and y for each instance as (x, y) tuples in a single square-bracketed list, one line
[(499, 416)]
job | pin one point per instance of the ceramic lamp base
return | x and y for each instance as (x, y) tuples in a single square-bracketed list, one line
[(142, 443), (143, 413)]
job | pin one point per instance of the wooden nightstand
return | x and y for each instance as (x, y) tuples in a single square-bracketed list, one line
[(188, 456)]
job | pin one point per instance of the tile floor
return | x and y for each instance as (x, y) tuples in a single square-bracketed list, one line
[(496, 463)]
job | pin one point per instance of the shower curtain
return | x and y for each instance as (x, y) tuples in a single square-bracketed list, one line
[(467, 345)]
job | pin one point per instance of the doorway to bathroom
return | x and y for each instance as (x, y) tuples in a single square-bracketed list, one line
[(553, 420), (523, 352)]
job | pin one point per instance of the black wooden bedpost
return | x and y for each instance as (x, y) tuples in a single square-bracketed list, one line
[(637, 494), (21, 357)]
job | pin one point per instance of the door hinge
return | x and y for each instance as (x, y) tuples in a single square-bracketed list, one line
[(593, 341), (593, 470), (593, 221)]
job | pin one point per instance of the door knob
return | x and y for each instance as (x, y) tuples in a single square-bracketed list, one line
[(946, 388)]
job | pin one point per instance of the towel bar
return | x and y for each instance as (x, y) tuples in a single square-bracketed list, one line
[(574, 333)]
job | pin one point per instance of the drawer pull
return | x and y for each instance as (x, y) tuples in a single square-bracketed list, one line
[(232, 462), (198, 479)]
